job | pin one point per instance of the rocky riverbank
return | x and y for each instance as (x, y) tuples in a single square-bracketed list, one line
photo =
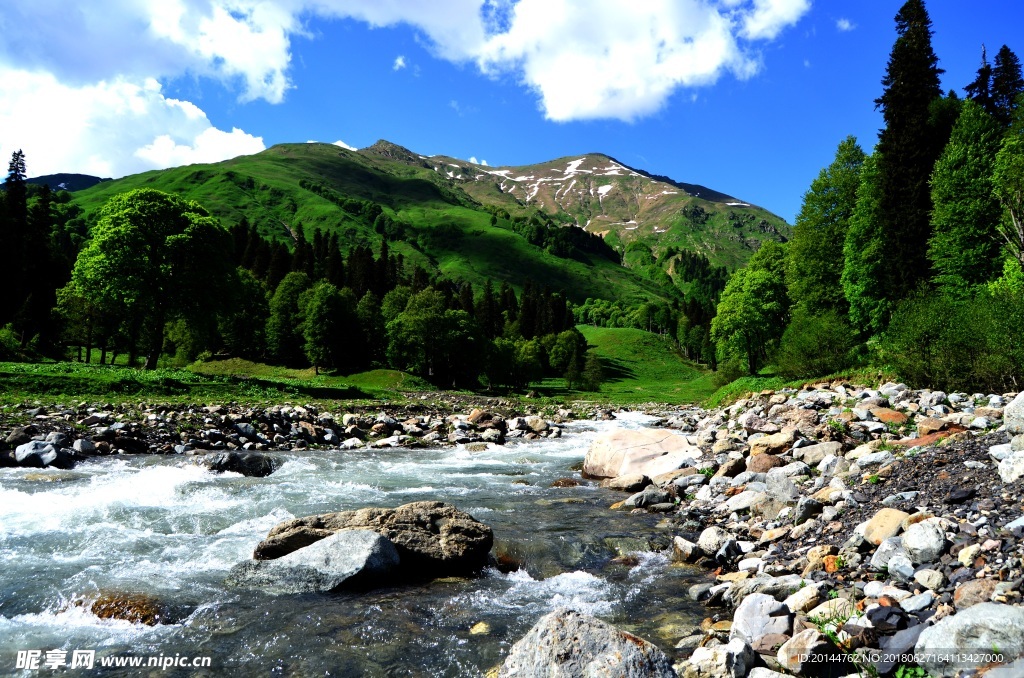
[(844, 529), (233, 438)]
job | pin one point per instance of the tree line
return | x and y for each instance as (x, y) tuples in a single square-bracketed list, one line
[(156, 276), (910, 257)]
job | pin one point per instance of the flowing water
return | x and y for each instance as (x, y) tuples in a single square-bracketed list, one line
[(164, 527)]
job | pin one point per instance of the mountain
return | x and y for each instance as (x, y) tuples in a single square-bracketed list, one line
[(598, 193), (566, 223), (66, 181)]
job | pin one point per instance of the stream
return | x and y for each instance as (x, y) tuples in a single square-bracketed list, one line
[(162, 526)]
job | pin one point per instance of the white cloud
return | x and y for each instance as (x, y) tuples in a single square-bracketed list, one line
[(769, 17), (845, 25), (109, 129), (473, 160), (399, 63), (341, 143)]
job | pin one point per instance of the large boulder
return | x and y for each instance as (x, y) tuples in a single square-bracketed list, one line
[(647, 451), (249, 464), (434, 539), (566, 643), (1013, 415), (985, 628), (40, 454), (346, 559)]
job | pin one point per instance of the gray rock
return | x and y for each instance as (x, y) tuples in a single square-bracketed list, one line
[(797, 654), (759, 615), (925, 542), (1017, 443), (250, 464), (814, 454), (875, 459), (566, 643), (350, 558), (886, 551), (633, 482), (806, 509), (648, 497), (1013, 415), (1011, 467), (40, 454), (712, 539), (919, 602), (782, 488), (982, 628), (732, 660), (434, 539)]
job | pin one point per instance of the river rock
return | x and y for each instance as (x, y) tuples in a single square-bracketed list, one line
[(634, 482), (760, 615), (776, 443), (732, 660), (1010, 468), (137, 608), (250, 464), (797, 654), (982, 628), (648, 497), (434, 539), (814, 454), (1013, 415), (566, 643), (647, 451), (884, 524), (925, 542), (349, 558), (712, 539), (40, 454), (973, 592)]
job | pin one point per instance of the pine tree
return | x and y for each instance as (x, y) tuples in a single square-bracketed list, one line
[(980, 89), (814, 262), (908, 147), (865, 257), (964, 248), (1007, 85), (15, 226)]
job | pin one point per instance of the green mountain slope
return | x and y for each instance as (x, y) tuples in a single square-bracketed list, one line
[(462, 219)]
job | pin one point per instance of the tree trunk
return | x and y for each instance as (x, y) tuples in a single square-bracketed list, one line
[(156, 341)]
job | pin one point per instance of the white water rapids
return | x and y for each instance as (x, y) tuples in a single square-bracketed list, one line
[(162, 526)]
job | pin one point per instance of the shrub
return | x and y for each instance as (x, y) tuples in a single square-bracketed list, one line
[(970, 345), (815, 345)]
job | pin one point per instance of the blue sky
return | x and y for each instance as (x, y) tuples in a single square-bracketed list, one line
[(749, 97)]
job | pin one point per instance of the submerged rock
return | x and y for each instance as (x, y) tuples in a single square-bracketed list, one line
[(566, 643), (346, 559), (434, 539), (137, 608)]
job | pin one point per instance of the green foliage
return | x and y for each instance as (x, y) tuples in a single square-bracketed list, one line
[(1008, 185), (593, 373), (964, 248), (908, 146), (443, 346), (958, 345), (153, 258), (243, 328), (284, 333), (865, 255), (327, 319), (815, 345), (754, 308), (814, 263)]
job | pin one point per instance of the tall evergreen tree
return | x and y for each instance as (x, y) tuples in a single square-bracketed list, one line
[(865, 256), (814, 262), (908, 147), (15, 225), (980, 89), (964, 248), (1007, 85)]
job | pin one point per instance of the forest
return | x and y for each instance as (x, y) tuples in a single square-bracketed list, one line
[(908, 259)]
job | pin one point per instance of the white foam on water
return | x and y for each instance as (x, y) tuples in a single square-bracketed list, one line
[(522, 593)]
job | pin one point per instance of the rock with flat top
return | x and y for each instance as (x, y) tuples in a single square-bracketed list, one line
[(646, 451)]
